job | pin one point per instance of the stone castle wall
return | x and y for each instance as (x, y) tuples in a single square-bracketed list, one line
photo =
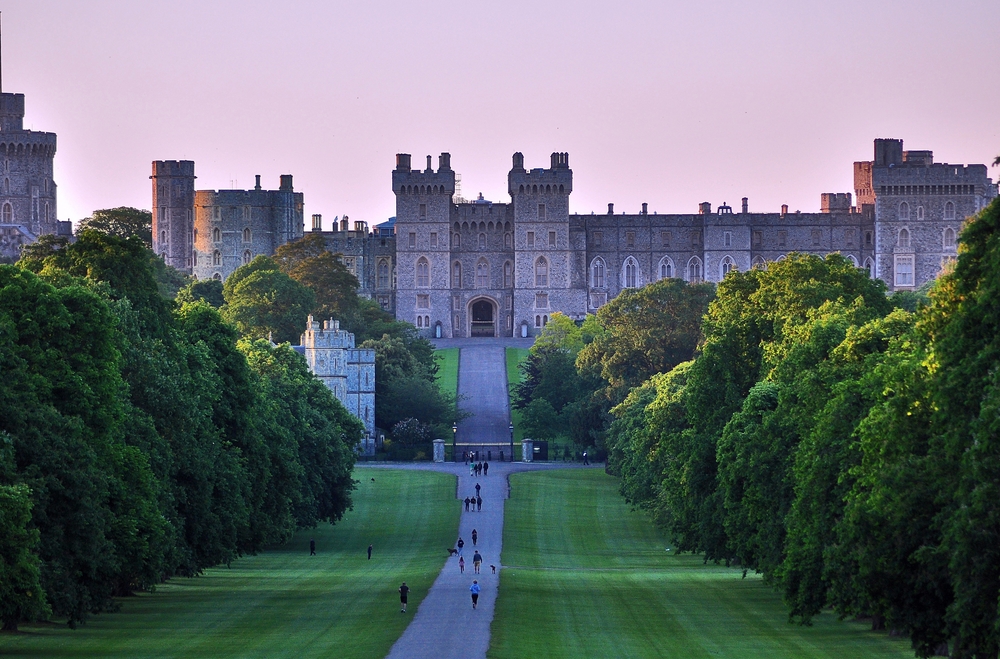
[(27, 189)]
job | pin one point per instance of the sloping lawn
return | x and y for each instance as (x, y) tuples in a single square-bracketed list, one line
[(285, 603), (585, 576), (514, 357), (447, 360)]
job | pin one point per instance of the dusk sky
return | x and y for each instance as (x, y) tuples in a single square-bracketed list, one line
[(670, 103)]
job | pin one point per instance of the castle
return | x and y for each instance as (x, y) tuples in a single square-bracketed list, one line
[(27, 191), (502, 269)]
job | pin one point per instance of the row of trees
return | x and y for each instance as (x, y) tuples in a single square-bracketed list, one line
[(142, 438), (842, 446)]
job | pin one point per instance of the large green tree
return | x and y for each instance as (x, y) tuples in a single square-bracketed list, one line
[(262, 302), (123, 222), (308, 262)]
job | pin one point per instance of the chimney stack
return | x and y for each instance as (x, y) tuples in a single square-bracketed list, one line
[(784, 210), (611, 209), (705, 208), (402, 162), (429, 168), (317, 222), (645, 208), (745, 205), (257, 187)]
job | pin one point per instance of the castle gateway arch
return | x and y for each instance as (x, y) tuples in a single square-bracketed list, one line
[(483, 313)]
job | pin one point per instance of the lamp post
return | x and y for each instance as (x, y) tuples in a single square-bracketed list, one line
[(511, 429), (454, 434)]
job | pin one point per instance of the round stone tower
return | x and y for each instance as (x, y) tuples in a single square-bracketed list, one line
[(27, 191)]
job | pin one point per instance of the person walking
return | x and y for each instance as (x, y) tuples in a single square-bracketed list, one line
[(312, 547), (477, 560), (369, 552), (403, 590), (479, 503), (475, 537), (461, 564), (486, 469), (477, 489), (585, 460), (461, 543), (466, 504), (472, 469), (474, 589)]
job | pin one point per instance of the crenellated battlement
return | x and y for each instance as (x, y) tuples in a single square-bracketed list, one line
[(407, 181), (557, 179)]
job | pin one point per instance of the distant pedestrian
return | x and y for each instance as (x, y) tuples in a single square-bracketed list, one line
[(474, 589), (403, 590), (369, 552), (479, 503), (472, 469), (477, 560), (486, 469), (477, 489), (312, 547), (585, 460), (461, 564), (461, 543), (475, 537), (466, 504)]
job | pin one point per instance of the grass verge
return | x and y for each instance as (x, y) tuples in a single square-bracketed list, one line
[(447, 360), (585, 576), (285, 603), (514, 358)]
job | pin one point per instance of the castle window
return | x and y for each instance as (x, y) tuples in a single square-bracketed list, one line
[(247, 257), (538, 321), (759, 263), (728, 265), (868, 238), (217, 276), (782, 238), (849, 236), (817, 235), (695, 238), (420, 321), (510, 302), (694, 270), (247, 236), (531, 239), (598, 238), (949, 237), (423, 302), (630, 239), (383, 273), (904, 270), (630, 273), (194, 258), (423, 273), (666, 268), (423, 211), (853, 260), (552, 238), (949, 211), (665, 238), (508, 278), (411, 240), (598, 300), (482, 241), (246, 213), (870, 268), (541, 300), (216, 257), (218, 212), (163, 214), (904, 211), (541, 211), (541, 272), (507, 240), (597, 273), (758, 239), (727, 238), (47, 217), (457, 240), (456, 275), (456, 321), (216, 235), (482, 274), (434, 239), (163, 236), (904, 238), (920, 212)]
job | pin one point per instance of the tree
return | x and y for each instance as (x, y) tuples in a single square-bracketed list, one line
[(123, 222), (262, 301), (308, 262), (21, 594), (205, 290)]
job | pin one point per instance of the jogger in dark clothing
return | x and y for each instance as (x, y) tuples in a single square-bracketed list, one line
[(479, 503), (461, 543), (475, 537), (312, 547), (369, 552), (466, 504)]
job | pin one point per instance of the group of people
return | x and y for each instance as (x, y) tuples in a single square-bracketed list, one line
[(477, 563), (479, 468), (475, 501)]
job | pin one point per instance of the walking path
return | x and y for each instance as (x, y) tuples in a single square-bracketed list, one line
[(482, 385)]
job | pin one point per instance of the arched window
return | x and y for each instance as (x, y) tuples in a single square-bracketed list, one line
[(383, 273), (163, 236), (508, 239), (194, 258), (456, 275), (216, 257), (759, 263), (420, 321), (727, 266), (247, 257), (920, 212), (949, 237), (538, 321), (482, 274), (423, 273), (904, 238), (216, 234), (541, 272), (665, 270), (8, 213), (630, 273), (217, 276), (853, 260), (457, 239), (48, 218), (597, 273), (870, 268), (694, 270), (949, 211), (508, 274), (247, 237), (904, 211), (482, 241)]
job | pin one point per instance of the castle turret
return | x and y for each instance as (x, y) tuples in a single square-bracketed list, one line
[(27, 191), (173, 212)]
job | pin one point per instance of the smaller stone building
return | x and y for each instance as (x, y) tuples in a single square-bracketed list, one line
[(349, 372)]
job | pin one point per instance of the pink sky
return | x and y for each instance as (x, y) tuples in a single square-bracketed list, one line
[(670, 103)]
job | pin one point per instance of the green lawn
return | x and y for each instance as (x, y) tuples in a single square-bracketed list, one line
[(284, 603), (514, 357), (447, 360), (585, 576)]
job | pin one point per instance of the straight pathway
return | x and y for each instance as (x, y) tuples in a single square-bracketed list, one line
[(482, 385)]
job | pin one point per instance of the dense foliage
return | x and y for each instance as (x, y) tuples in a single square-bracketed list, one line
[(843, 443), (142, 439)]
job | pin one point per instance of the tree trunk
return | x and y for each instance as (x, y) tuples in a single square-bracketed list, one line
[(10, 625), (878, 623)]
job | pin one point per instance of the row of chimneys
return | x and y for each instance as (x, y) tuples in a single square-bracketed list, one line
[(359, 225), (704, 208)]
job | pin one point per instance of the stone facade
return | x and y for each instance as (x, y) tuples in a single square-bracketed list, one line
[(349, 372), (210, 233), (368, 255), (27, 191), (501, 269)]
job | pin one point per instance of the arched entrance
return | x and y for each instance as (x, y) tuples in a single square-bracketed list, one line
[(483, 317)]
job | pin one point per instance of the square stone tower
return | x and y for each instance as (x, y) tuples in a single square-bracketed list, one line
[(173, 212)]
